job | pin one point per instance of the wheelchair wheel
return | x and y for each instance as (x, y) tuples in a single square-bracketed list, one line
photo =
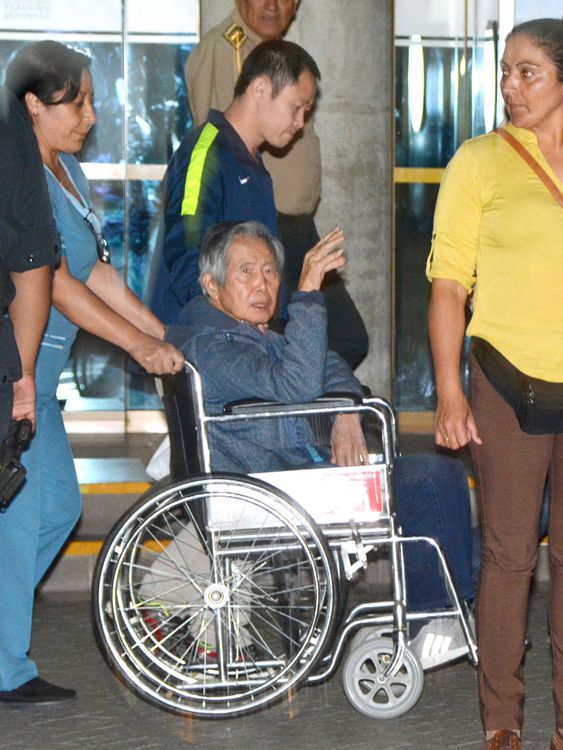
[(214, 596), (373, 695)]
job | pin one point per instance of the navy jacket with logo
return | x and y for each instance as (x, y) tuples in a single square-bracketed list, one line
[(212, 177)]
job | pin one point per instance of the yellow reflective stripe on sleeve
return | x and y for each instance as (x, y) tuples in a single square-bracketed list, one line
[(192, 187)]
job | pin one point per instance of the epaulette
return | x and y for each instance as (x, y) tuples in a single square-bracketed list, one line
[(236, 37)]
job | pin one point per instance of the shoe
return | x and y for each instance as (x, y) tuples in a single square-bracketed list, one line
[(556, 742), (504, 739), (163, 627), (253, 653), (37, 692), (439, 641)]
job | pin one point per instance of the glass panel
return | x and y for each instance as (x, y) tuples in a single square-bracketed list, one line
[(158, 119), (446, 85), (414, 384), (143, 212), (431, 142), (105, 141), (95, 377), (158, 107)]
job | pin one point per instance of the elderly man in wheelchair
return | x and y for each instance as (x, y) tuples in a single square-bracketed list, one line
[(225, 334)]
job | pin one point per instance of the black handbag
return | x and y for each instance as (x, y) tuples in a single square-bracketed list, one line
[(538, 404)]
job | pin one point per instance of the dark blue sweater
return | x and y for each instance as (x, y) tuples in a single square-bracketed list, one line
[(237, 361), (212, 177)]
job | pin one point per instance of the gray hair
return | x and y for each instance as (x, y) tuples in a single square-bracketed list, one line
[(214, 251)]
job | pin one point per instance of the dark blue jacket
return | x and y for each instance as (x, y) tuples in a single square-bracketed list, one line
[(212, 177), (237, 361), (28, 238)]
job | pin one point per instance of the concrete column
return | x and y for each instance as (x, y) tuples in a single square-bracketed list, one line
[(352, 44)]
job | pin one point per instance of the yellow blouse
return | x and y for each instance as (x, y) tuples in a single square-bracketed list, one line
[(498, 231)]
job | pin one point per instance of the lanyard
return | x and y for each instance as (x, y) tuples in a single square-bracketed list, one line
[(92, 220)]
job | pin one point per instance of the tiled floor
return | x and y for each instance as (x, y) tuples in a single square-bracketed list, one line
[(108, 716)]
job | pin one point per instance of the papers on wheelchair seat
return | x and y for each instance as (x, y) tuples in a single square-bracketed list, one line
[(329, 495)]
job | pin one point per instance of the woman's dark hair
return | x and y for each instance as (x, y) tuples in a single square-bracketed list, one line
[(280, 61), (546, 33), (45, 68)]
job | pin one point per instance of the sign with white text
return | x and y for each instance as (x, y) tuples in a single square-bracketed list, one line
[(102, 16)]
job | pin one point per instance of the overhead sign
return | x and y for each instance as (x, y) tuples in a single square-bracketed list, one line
[(102, 16), (443, 19)]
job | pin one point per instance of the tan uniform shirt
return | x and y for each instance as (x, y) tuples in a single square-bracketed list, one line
[(211, 74)]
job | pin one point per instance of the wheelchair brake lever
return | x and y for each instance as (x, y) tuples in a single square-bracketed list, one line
[(357, 549)]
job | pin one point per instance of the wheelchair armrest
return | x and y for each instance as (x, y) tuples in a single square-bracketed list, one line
[(343, 397), (254, 405)]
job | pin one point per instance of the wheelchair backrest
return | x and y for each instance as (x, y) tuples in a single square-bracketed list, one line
[(184, 410)]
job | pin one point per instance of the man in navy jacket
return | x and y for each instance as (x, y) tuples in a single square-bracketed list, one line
[(217, 173)]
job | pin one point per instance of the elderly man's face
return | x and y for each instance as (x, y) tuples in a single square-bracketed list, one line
[(269, 19), (250, 292)]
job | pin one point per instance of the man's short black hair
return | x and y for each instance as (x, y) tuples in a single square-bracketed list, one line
[(280, 61)]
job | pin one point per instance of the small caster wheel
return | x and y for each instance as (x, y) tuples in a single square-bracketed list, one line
[(369, 634), (373, 695)]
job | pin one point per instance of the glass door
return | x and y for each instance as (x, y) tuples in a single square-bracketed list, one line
[(138, 55), (446, 84)]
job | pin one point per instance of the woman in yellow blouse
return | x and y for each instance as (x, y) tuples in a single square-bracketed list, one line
[(498, 236)]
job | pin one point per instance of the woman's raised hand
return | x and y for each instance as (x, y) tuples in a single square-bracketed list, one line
[(325, 256)]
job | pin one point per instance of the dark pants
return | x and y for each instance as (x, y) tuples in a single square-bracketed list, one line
[(511, 468), (432, 499), (347, 334)]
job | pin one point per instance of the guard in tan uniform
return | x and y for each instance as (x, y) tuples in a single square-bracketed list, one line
[(212, 71)]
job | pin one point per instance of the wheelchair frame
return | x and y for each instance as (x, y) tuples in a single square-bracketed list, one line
[(264, 587)]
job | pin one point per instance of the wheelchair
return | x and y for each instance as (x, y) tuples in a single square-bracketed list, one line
[(218, 594)]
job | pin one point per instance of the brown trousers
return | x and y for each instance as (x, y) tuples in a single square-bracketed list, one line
[(511, 468)]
